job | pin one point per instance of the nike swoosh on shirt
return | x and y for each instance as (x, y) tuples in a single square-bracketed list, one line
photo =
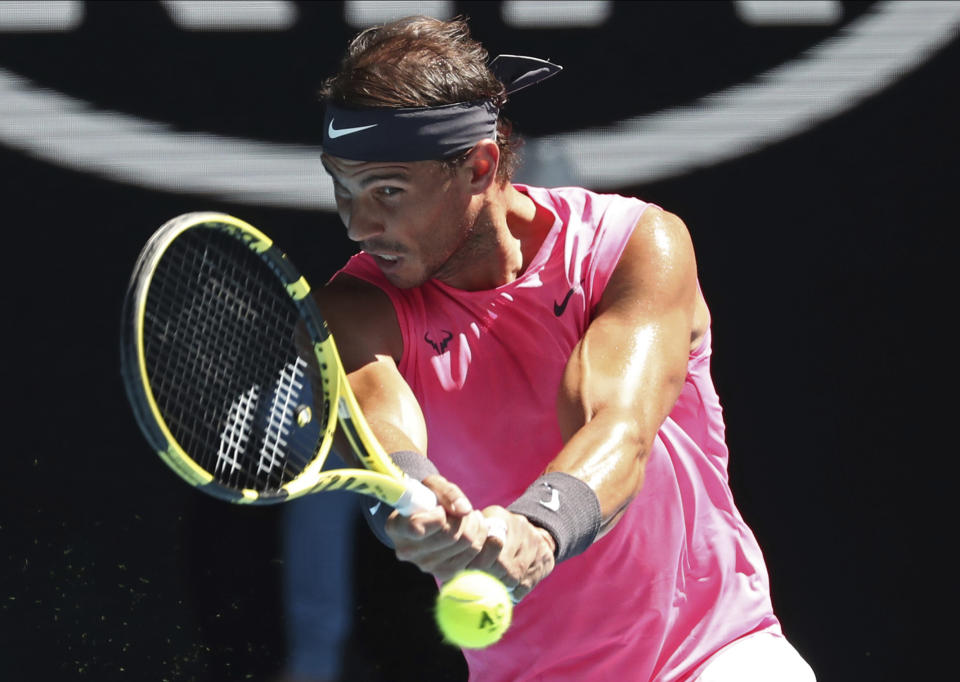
[(335, 133), (558, 308)]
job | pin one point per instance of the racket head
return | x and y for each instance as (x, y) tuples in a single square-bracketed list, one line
[(231, 370)]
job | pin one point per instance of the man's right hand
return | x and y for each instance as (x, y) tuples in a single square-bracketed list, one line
[(444, 540)]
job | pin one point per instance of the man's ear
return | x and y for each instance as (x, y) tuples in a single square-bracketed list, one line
[(481, 164)]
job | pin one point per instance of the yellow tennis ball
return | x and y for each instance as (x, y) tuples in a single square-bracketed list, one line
[(473, 610)]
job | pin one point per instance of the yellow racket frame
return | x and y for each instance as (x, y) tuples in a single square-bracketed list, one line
[(381, 478)]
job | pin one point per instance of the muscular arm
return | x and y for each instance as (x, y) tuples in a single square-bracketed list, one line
[(620, 383), (368, 340), (370, 344), (626, 373)]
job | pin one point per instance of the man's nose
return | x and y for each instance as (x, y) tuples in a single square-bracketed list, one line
[(362, 223)]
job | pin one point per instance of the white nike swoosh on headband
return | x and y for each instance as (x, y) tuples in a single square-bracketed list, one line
[(334, 133)]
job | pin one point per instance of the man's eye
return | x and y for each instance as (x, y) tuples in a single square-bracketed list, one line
[(388, 191)]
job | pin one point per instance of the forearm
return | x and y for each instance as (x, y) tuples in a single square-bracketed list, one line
[(585, 489), (609, 454)]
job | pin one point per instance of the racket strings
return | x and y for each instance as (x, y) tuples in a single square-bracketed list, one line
[(279, 427), (223, 367)]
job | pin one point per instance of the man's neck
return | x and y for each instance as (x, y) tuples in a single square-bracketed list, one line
[(507, 234)]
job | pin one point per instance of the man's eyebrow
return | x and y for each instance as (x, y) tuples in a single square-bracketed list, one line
[(370, 179)]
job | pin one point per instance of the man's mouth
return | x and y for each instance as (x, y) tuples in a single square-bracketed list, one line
[(384, 259)]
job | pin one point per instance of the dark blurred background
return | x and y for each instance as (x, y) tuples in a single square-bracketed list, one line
[(811, 148)]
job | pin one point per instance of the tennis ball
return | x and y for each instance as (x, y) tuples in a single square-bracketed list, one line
[(473, 610)]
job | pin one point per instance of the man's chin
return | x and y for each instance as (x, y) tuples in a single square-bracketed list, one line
[(401, 278)]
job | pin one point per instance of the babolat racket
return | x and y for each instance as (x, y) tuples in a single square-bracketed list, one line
[(233, 375)]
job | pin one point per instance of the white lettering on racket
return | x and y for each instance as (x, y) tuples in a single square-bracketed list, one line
[(286, 394), (335, 133), (236, 430)]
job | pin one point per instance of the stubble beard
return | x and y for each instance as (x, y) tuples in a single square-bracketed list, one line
[(472, 247)]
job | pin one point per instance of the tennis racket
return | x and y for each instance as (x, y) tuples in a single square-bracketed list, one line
[(233, 375)]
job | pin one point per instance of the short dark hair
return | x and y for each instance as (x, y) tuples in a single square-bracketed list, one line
[(421, 62)]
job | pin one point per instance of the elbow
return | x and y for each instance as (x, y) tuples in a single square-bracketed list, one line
[(620, 455)]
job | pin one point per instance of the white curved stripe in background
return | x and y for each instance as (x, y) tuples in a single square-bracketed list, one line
[(864, 57)]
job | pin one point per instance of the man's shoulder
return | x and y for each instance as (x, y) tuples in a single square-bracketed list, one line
[(578, 198), (655, 221), (361, 317), (584, 210)]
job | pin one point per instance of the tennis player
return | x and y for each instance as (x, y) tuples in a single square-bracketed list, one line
[(540, 358)]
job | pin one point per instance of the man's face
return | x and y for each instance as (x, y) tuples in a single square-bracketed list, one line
[(412, 217)]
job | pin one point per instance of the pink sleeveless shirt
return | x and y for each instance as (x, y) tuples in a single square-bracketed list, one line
[(681, 574)]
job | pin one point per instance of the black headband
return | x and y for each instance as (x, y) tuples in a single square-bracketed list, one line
[(426, 133)]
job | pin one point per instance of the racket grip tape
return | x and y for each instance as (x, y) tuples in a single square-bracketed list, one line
[(417, 498), (416, 467)]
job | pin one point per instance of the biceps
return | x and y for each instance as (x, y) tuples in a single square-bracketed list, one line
[(634, 372), (632, 361)]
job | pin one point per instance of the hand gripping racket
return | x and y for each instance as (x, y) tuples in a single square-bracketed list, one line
[(233, 375)]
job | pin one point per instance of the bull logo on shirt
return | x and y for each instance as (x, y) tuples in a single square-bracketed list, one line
[(441, 345)]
